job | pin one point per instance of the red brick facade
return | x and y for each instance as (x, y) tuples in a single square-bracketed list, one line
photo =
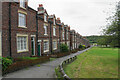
[(38, 32)]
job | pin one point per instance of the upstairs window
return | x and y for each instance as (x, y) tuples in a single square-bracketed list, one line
[(54, 21), (67, 35), (22, 3), (45, 17), (54, 31), (45, 28), (63, 28), (63, 36), (22, 20)]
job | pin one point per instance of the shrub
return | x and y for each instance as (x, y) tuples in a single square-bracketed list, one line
[(5, 63), (10, 58), (64, 48), (83, 46), (80, 46), (24, 63)]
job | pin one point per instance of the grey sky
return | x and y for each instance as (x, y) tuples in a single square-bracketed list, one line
[(84, 16)]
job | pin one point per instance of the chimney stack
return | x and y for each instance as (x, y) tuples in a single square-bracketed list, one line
[(58, 20), (40, 8), (68, 27)]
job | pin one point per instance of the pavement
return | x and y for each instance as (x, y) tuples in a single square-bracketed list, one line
[(45, 70)]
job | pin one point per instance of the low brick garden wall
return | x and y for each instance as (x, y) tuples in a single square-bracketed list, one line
[(20, 64)]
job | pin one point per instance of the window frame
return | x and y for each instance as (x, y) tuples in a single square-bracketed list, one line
[(54, 31), (54, 44), (45, 30), (22, 4), (63, 35), (45, 17), (25, 19), (67, 35), (22, 50), (47, 50), (54, 22)]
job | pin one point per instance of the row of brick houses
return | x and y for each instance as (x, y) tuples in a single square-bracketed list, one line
[(27, 32)]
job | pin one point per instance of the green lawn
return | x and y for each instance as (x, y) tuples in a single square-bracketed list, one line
[(95, 63)]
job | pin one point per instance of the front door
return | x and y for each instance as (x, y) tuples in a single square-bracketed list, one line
[(33, 45), (39, 49)]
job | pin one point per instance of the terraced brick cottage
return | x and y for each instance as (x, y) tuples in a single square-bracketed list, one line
[(43, 31), (67, 35), (72, 39), (27, 32), (54, 34), (18, 29)]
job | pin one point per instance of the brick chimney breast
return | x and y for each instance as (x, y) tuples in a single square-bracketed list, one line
[(58, 20), (40, 9)]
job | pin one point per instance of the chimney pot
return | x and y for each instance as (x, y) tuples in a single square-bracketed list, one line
[(40, 5), (58, 18)]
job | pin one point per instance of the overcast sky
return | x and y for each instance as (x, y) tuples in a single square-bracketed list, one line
[(84, 16)]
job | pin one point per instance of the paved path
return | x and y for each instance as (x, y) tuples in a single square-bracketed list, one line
[(46, 70)]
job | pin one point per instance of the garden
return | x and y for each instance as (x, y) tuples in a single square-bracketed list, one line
[(10, 64)]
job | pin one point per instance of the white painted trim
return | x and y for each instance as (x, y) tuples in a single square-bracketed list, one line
[(22, 26), (48, 45), (27, 49), (56, 45), (39, 40), (33, 35)]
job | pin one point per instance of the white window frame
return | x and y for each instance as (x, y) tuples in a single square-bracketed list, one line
[(73, 45), (67, 35), (22, 50), (47, 50), (45, 30), (68, 44), (22, 4), (20, 22), (45, 17), (63, 35), (54, 44), (54, 31), (54, 21)]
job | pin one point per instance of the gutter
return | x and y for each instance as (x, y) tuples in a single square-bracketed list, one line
[(10, 29)]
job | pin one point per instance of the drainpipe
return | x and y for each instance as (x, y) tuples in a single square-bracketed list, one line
[(10, 29), (65, 37), (37, 32), (59, 37), (50, 37)]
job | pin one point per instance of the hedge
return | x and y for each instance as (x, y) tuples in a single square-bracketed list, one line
[(23, 64), (57, 55)]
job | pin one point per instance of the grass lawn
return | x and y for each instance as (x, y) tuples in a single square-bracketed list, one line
[(95, 63), (52, 59)]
